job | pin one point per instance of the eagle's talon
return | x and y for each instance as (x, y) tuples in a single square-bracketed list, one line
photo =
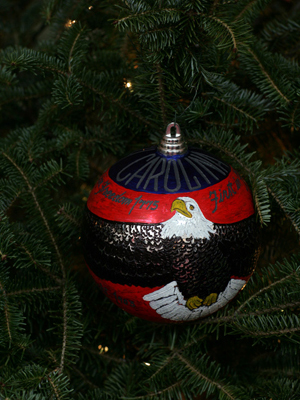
[(194, 302), (212, 298)]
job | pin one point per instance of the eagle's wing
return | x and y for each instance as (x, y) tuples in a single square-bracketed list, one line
[(170, 304)]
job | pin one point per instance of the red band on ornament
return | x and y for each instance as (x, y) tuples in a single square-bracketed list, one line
[(226, 202), (130, 298)]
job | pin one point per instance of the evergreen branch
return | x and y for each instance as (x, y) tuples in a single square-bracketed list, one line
[(270, 286), (274, 333), (193, 341), (225, 33), (270, 310), (261, 200), (241, 107), (273, 371), (227, 152), (55, 389), (217, 123), (65, 326), (256, 202), (279, 202), (161, 95), (84, 378), (7, 77), (270, 80), (294, 115), (29, 59), (68, 99), (145, 13), (245, 9), (67, 91), (9, 195), (117, 102), (53, 69), (68, 216), (168, 389), (77, 160), (215, 4), (72, 49), (154, 394), (24, 97), (167, 361), (30, 376), (50, 274), (218, 385), (236, 108), (6, 312), (32, 192), (235, 316), (261, 189), (50, 66), (281, 29), (34, 290), (37, 204), (227, 27), (49, 171)]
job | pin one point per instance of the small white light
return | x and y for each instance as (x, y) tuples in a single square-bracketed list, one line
[(148, 364), (70, 23), (102, 349)]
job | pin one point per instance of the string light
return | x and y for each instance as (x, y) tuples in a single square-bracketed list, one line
[(90, 7), (148, 364), (103, 349), (70, 23), (128, 84)]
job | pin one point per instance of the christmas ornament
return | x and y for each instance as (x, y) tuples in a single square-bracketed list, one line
[(170, 233)]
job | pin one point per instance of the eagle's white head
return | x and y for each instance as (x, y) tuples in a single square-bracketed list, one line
[(188, 221)]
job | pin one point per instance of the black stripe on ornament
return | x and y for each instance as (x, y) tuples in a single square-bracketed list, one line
[(136, 254)]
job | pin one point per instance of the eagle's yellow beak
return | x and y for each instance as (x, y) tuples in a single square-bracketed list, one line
[(179, 205)]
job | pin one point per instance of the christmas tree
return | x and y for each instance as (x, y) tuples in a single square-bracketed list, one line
[(81, 85)]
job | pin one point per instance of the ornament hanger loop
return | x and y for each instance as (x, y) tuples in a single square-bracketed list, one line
[(172, 145), (177, 128)]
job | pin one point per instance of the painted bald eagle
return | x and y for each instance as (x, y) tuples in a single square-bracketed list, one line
[(169, 301), (196, 272), (188, 220)]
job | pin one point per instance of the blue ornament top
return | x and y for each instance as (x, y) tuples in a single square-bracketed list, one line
[(169, 168)]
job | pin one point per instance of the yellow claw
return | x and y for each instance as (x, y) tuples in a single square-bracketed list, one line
[(194, 302), (212, 298)]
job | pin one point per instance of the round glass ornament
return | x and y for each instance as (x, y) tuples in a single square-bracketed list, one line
[(169, 232)]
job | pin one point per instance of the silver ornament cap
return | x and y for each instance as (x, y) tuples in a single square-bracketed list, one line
[(172, 144)]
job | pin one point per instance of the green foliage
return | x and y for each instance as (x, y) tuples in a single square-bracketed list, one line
[(228, 73), (279, 85)]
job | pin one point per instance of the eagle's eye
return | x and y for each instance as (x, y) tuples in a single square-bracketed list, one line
[(191, 207)]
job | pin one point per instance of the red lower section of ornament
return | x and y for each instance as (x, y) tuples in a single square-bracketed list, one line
[(130, 298)]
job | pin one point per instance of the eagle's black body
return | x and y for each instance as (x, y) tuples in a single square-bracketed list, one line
[(136, 254)]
